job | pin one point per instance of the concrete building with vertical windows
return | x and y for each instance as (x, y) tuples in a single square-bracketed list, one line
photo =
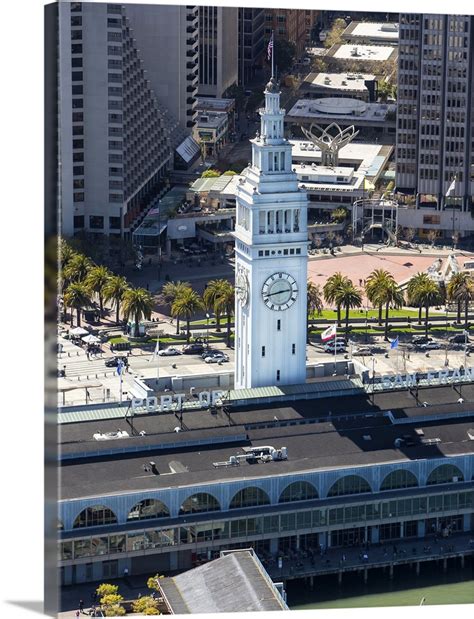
[(435, 123), (218, 49), (116, 135), (251, 42)]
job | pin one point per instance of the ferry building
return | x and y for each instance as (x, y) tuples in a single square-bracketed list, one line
[(280, 464)]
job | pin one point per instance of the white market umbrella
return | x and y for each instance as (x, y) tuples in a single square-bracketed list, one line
[(90, 339), (78, 331)]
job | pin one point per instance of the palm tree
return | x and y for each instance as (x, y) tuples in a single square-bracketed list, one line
[(350, 297), (428, 294), (331, 291), (214, 289), (461, 290), (114, 290), (392, 297), (414, 286), (137, 304), (458, 289), (375, 285), (76, 269), (76, 297), (65, 253), (170, 292), (96, 280), (186, 304), (314, 303), (225, 302)]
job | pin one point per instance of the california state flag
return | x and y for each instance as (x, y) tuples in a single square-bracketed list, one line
[(329, 333)]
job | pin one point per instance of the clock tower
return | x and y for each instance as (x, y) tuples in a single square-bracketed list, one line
[(271, 243)]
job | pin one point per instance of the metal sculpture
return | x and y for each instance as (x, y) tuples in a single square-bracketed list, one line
[(329, 142)]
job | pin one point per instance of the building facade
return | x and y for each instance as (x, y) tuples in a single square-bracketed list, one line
[(289, 25), (218, 49), (168, 38), (338, 488), (114, 146), (435, 126), (271, 259), (251, 42)]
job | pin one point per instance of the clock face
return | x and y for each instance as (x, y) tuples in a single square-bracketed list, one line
[(242, 287), (279, 291)]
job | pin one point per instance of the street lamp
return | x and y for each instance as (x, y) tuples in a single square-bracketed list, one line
[(207, 329)]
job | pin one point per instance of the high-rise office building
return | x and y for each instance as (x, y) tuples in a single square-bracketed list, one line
[(251, 42), (218, 49), (435, 128), (116, 133)]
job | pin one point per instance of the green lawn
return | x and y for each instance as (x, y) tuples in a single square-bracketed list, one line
[(374, 313)]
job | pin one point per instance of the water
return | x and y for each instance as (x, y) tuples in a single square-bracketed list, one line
[(454, 587)]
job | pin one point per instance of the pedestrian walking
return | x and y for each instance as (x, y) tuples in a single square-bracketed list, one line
[(81, 606)]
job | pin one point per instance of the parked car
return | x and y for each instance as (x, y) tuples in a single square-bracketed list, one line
[(209, 352), (429, 346), (113, 362), (222, 358), (362, 351), (459, 338), (377, 349), (169, 352), (339, 346), (193, 349), (421, 339)]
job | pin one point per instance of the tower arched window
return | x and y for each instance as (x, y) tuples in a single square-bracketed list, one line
[(94, 516), (249, 497), (350, 484)]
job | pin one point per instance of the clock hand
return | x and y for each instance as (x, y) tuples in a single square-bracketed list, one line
[(272, 294)]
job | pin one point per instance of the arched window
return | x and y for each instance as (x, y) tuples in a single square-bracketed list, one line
[(351, 484), (401, 478), (148, 508), (298, 491), (200, 502), (249, 497), (445, 474), (95, 516)]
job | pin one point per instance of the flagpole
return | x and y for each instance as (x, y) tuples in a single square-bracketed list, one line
[(273, 54), (157, 360)]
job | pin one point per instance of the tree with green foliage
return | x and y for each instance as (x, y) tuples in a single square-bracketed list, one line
[(96, 280), (225, 303), (334, 36), (339, 215), (429, 294), (106, 589), (332, 289), (213, 290), (375, 285), (460, 290), (169, 293), (146, 605), (186, 305), (230, 173), (153, 582), (392, 297), (210, 174), (76, 269), (65, 254), (137, 304), (314, 303), (114, 290), (349, 297), (415, 284), (77, 297)]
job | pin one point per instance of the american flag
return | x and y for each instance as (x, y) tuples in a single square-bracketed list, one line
[(270, 47)]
